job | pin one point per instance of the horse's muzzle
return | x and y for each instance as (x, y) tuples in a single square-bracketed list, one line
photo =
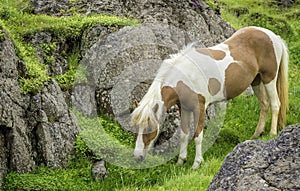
[(140, 158), (140, 155)]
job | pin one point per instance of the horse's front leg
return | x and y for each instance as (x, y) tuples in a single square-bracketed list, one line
[(184, 135), (199, 117)]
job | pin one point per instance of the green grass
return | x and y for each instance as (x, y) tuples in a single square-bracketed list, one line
[(241, 119)]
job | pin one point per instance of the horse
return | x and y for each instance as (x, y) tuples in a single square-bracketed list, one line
[(196, 77)]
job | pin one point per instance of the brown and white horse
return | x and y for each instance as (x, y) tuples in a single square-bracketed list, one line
[(197, 77)]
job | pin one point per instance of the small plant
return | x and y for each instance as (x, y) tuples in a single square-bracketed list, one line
[(82, 150)]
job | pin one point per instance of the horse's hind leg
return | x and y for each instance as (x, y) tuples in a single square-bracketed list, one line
[(184, 135), (199, 117), (275, 104), (260, 92)]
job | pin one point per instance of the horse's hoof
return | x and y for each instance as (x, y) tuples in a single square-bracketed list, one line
[(273, 134), (197, 164), (181, 161), (256, 135)]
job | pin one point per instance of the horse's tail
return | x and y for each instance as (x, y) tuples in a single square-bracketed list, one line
[(282, 86)]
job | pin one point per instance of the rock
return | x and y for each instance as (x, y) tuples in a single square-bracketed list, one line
[(201, 22), (54, 126), (249, 91), (51, 51), (33, 129), (99, 171), (91, 35), (15, 146), (49, 6), (258, 165)]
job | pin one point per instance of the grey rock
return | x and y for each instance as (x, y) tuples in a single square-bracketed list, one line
[(34, 129), (91, 35), (258, 165), (51, 51), (55, 126), (49, 6), (99, 171), (249, 91), (181, 14), (14, 142)]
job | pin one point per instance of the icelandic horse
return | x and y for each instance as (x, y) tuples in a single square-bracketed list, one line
[(197, 77)]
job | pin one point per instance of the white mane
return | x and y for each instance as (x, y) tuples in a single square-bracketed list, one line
[(144, 111)]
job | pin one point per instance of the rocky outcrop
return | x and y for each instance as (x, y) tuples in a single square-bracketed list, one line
[(54, 126), (196, 17), (33, 129), (258, 165), (16, 148)]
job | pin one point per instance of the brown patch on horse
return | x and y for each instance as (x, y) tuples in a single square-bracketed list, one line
[(169, 96), (237, 79), (214, 86), (215, 54), (150, 133), (254, 47), (200, 115)]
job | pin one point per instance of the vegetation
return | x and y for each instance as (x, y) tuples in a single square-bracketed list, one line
[(241, 116)]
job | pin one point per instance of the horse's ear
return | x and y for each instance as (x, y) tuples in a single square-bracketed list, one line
[(136, 103)]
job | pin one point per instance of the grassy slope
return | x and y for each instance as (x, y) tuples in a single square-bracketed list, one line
[(241, 118)]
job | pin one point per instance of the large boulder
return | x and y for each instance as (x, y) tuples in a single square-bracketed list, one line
[(258, 165)]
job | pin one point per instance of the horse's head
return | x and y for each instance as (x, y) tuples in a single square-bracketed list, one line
[(145, 119)]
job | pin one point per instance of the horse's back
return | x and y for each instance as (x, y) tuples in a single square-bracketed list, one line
[(259, 49)]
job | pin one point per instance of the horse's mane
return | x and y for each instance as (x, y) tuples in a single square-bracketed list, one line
[(144, 111)]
